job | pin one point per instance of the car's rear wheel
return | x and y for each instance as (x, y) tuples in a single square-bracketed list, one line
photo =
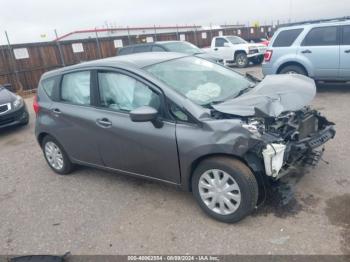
[(241, 60), (55, 156), (293, 69), (225, 188)]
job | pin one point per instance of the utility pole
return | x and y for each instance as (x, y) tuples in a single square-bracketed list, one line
[(59, 49), (13, 59)]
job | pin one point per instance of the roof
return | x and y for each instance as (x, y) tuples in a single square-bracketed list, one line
[(315, 24), (127, 29), (138, 60), (153, 43)]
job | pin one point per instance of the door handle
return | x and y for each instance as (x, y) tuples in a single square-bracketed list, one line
[(307, 51), (216, 49), (104, 122), (347, 51), (56, 111)]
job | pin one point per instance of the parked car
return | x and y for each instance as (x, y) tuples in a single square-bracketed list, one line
[(236, 51), (262, 41), (168, 46), (181, 120), (318, 50), (13, 110)]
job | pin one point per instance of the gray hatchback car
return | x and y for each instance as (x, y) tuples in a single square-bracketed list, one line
[(181, 120), (318, 50)]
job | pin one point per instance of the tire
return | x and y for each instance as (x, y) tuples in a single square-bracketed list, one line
[(293, 69), (243, 195), (241, 60), (258, 60), (62, 167)]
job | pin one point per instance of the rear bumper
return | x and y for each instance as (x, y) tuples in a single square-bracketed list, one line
[(267, 69), (14, 117)]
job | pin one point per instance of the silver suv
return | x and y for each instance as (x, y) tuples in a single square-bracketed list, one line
[(318, 50)]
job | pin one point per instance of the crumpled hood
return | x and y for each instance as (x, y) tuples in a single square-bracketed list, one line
[(6, 96), (272, 96)]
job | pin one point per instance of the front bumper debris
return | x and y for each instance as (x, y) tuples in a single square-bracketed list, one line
[(294, 155)]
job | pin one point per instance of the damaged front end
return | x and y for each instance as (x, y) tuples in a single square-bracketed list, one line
[(275, 112), (292, 140)]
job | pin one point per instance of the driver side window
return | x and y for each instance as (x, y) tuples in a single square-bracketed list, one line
[(220, 42), (124, 93)]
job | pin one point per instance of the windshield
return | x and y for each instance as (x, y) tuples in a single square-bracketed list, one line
[(182, 47), (236, 40), (200, 80)]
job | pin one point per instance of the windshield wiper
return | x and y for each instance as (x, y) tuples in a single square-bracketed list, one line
[(244, 90)]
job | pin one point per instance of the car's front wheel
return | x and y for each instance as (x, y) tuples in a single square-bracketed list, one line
[(225, 188), (241, 60), (55, 156)]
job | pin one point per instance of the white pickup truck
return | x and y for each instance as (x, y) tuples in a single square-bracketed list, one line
[(236, 51)]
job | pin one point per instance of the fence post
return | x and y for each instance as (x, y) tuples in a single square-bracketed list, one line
[(195, 34), (177, 32), (13, 61), (211, 33), (155, 33), (59, 49), (128, 35), (98, 44)]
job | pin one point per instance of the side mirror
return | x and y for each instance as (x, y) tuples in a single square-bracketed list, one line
[(226, 45), (143, 114)]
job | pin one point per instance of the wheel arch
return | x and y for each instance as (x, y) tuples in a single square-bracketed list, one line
[(239, 52), (41, 136), (249, 159), (292, 63)]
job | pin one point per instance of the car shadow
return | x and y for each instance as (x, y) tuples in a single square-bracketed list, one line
[(5, 131), (333, 87)]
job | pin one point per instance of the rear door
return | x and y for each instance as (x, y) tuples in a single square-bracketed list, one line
[(72, 121), (320, 48), (344, 71), (137, 148), (222, 51)]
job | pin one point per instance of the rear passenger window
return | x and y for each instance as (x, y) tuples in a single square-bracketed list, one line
[(286, 38), (156, 48), (346, 35), (322, 36), (125, 51), (75, 88), (141, 49), (48, 85)]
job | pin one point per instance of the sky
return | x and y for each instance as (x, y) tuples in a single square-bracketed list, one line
[(36, 20)]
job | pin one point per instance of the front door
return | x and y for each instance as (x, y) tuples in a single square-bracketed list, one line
[(321, 49), (139, 148), (222, 49), (344, 71)]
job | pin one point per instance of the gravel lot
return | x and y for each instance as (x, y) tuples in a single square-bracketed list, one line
[(95, 212)]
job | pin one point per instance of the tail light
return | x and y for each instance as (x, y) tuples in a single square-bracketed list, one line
[(268, 55), (36, 106)]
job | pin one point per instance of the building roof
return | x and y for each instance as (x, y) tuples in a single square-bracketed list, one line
[(125, 31)]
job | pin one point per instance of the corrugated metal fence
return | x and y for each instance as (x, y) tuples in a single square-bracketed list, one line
[(22, 65)]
